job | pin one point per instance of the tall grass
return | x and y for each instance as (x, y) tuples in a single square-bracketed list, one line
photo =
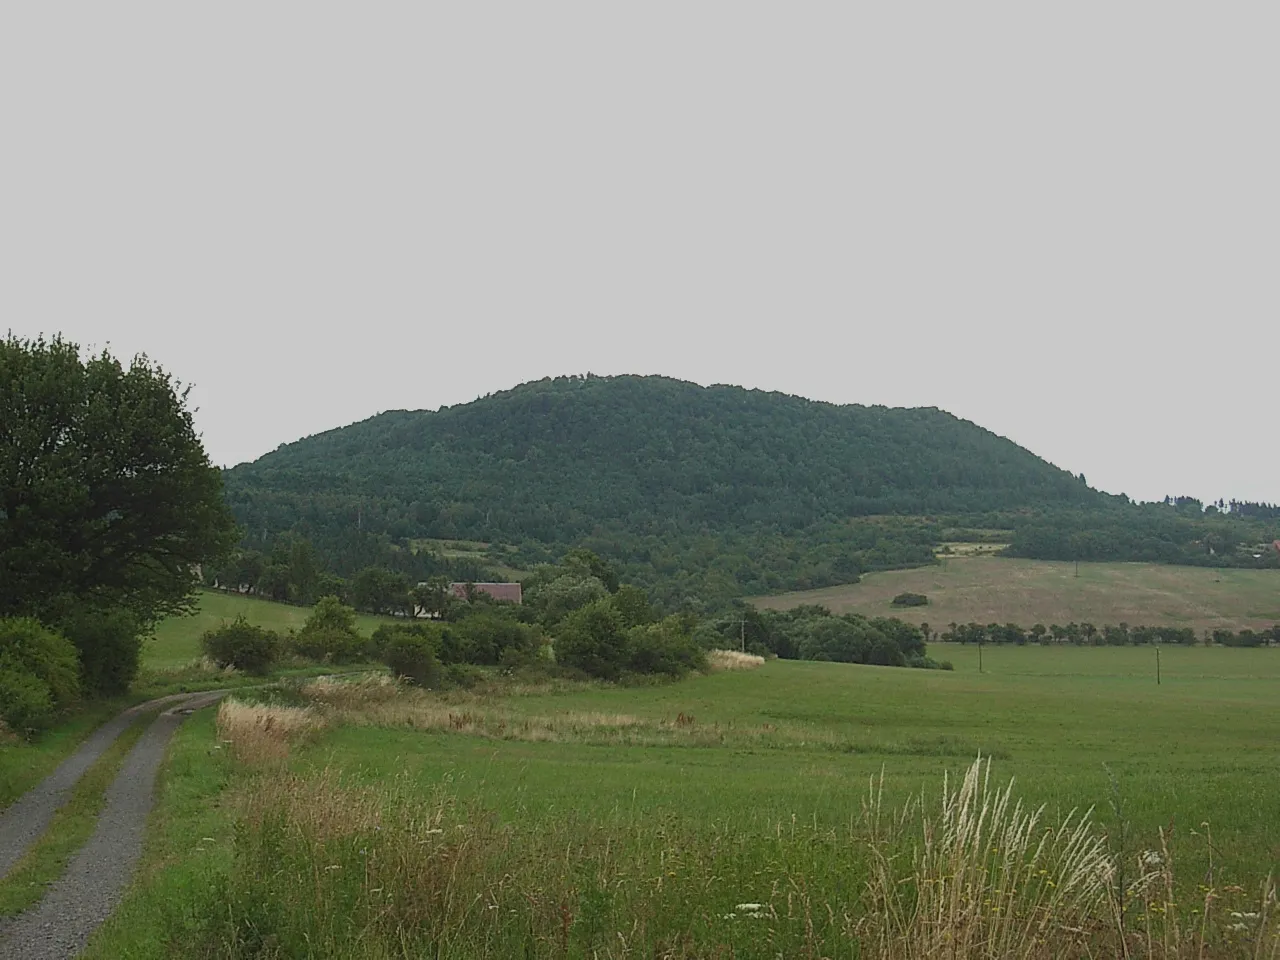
[(985, 876), (379, 701), (261, 734), (719, 661), (328, 867)]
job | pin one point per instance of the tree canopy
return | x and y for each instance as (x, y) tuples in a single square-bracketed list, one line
[(107, 498)]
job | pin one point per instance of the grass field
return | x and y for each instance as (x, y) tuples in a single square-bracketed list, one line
[(617, 822), (1004, 590), (177, 640)]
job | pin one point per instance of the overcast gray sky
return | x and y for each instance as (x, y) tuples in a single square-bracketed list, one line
[(1059, 221)]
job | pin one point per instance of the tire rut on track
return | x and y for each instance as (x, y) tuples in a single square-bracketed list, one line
[(58, 927), (22, 822)]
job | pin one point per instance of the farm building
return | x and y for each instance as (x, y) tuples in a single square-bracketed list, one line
[(508, 592)]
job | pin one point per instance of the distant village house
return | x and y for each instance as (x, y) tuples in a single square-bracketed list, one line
[(508, 592)]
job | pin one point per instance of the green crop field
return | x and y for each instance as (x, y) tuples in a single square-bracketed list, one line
[(590, 813), (998, 589)]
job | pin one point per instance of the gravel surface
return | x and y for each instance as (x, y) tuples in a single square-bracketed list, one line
[(60, 925), (27, 817)]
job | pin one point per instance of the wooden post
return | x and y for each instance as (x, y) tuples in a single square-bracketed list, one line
[(1157, 666)]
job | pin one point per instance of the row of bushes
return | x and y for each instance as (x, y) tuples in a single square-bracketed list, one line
[(329, 635), (812, 632), (609, 637), (1108, 635)]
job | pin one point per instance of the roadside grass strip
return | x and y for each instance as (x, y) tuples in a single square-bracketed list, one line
[(70, 827), (23, 765)]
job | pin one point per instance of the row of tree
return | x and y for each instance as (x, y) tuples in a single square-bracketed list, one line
[(812, 632), (1107, 635), (578, 617)]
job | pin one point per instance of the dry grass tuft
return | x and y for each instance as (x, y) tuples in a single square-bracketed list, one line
[(722, 660), (353, 693), (261, 733), (986, 878)]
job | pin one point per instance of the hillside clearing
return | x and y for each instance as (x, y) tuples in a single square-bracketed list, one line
[(998, 589)]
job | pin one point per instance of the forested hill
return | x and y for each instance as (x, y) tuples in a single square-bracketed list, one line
[(556, 460)]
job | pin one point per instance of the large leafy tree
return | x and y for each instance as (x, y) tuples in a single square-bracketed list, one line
[(108, 501)]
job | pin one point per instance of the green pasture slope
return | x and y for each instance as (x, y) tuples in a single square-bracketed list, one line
[(1077, 727), (177, 640), (998, 589)]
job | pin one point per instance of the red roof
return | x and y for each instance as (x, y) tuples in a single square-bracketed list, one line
[(510, 592)]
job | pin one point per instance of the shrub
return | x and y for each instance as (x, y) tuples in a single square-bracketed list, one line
[(665, 648), (25, 701), (491, 638), (28, 647), (110, 646), (565, 594), (330, 613), (242, 645), (464, 675), (39, 673), (330, 634), (329, 646), (592, 640), (410, 652), (910, 600), (885, 653), (837, 639)]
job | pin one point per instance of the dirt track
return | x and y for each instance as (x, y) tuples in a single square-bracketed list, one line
[(59, 925)]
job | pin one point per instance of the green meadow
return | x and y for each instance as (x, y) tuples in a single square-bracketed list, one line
[(696, 796)]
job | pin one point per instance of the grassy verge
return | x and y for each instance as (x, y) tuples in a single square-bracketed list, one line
[(188, 846), (23, 764), (70, 828)]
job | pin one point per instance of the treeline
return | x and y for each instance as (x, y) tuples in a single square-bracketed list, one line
[(1179, 531), (579, 619), (1107, 635), (295, 571), (812, 632)]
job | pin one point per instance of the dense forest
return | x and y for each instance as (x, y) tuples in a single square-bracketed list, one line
[(698, 494)]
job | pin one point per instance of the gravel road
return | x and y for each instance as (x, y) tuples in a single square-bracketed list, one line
[(58, 927), (25, 819)]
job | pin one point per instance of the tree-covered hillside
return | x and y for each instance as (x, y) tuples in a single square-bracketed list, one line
[(668, 478)]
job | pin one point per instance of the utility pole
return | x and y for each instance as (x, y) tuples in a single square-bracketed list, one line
[(1157, 666)]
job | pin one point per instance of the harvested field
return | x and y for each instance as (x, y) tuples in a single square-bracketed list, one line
[(999, 589)]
